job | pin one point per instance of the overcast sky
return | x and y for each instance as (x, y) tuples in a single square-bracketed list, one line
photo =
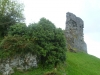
[(55, 11)]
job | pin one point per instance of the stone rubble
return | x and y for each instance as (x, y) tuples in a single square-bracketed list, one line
[(20, 63)]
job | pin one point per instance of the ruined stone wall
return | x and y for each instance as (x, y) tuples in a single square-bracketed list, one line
[(18, 62), (74, 33)]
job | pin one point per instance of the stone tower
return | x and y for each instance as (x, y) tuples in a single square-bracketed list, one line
[(74, 33)]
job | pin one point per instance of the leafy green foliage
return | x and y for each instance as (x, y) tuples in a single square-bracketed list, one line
[(13, 45), (10, 13), (17, 41), (18, 29), (42, 39), (50, 40)]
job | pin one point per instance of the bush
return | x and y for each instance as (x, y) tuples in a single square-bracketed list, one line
[(18, 29), (50, 40), (42, 39), (12, 45)]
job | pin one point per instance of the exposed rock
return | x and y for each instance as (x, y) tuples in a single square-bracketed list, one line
[(74, 33), (8, 70), (21, 63)]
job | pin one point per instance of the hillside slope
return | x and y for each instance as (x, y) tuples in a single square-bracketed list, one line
[(82, 64), (77, 64)]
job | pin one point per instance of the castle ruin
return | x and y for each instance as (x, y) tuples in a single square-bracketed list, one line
[(74, 33)]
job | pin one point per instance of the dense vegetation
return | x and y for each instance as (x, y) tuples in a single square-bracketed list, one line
[(50, 41), (42, 39)]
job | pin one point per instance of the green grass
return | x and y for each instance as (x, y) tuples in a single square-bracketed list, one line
[(82, 64), (41, 71), (36, 71), (76, 64)]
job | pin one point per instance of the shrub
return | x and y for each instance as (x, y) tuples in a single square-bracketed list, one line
[(42, 39), (12, 45), (18, 29), (50, 40)]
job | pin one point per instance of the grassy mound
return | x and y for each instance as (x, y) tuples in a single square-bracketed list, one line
[(82, 64)]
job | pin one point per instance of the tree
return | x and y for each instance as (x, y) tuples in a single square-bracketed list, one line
[(18, 29), (50, 41), (10, 13)]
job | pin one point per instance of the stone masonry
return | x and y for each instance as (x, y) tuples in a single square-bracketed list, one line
[(74, 33)]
